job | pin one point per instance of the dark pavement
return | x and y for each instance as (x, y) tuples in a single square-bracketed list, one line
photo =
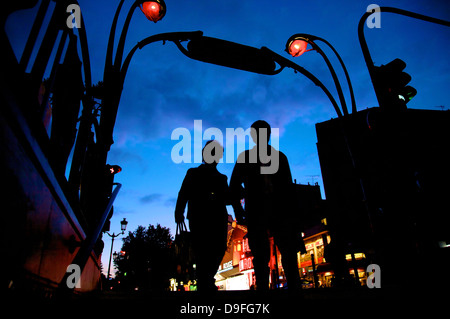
[(310, 303), (319, 303)]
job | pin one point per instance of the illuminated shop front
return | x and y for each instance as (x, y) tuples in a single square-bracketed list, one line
[(236, 274), (315, 256), (360, 265), (236, 269)]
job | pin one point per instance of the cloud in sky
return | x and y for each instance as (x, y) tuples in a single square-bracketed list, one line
[(158, 199), (150, 198), (222, 99)]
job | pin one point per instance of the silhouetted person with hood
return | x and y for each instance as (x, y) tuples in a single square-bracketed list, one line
[(267, 189), (205, 191)]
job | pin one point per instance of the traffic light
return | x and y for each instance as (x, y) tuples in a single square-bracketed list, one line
[(390, 84), (113, 169), (110, 171), (108, 182)]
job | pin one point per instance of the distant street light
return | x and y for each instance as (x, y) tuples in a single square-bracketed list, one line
[(123, 227)]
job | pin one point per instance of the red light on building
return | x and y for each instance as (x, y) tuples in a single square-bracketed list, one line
[(298, 47), (245, 247), (246, 264), (154, 10)]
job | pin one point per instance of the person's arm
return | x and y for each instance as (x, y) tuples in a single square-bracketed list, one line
[(183, 197), (236, 189), (285, 169)]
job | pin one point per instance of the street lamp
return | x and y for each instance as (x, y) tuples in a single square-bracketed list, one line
[(154, 10), (297, 45), (123, 227), (110, 93)]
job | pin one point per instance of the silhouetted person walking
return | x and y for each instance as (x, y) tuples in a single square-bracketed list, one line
[(205, 190), (268, 194)]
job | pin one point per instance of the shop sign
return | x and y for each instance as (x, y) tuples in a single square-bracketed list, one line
[(246, 264), (310, 246), (245, 247), (306, 263), (226, 266)]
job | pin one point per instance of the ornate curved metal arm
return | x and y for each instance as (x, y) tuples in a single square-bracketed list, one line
[(283, 62), (175, 37), (362, 39)]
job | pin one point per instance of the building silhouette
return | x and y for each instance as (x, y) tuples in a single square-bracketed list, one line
[(385, 175)]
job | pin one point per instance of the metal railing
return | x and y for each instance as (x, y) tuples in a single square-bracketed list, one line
[(88, 244)]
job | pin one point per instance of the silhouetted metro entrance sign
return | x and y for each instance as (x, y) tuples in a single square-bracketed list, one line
[(230, 54)]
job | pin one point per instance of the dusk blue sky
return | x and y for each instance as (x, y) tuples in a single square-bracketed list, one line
[(165, 90)]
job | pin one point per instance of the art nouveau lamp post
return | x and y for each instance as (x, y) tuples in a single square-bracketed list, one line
[(123, 227), (113, 84), (297, 45)]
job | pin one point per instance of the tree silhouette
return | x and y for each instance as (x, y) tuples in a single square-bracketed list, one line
[(146, 259)]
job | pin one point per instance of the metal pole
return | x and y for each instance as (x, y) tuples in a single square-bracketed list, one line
[(313, 264), (110, 47), (111, 81), (123, 35), (33, 35), (355, 269), (283, 62), (335, 78), (87, 246), (110, 254), (169, 36), (352, 95)]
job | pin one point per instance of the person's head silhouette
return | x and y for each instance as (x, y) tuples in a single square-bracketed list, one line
[(212, 153), (260, 132)]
